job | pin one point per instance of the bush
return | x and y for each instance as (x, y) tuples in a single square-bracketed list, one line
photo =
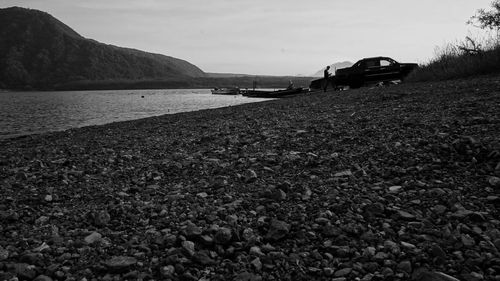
[(462, 60)]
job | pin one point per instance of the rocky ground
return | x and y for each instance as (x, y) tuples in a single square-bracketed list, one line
[(390, 183)]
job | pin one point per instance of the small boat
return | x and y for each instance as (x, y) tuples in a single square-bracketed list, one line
[(272, 94), (226, 91)]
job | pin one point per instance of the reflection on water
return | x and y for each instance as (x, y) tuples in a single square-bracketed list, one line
[(24, 113)]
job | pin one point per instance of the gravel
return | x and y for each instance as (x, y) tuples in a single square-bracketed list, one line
[(386, 183)]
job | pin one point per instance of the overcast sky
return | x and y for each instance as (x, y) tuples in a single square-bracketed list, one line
[(269, 37)]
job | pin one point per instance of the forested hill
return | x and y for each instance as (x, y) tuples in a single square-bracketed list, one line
[(38, 51)]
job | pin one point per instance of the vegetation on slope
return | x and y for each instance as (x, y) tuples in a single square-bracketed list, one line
[(468, 58), (39, 51)]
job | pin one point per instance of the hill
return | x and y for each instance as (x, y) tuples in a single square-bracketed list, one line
[(333, 66), (39, 51)]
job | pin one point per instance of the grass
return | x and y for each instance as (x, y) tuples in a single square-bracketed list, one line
[(465, 59)]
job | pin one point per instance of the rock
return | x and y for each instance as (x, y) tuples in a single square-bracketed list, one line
[(278, 195), (395, 188), (407, 246), (42, 278), (120, 263), (346, 173), (167, 271), (248, 235), (256, 251), (101, 218), (467, 240), (380, 256), (405, 266), (193, 231), (93, 238), (48, 198), (188, 246), (250, 176), (32, 258), (202, 258), (328, 271), (374, 209), (342, 272), (405, 215), (439, 209), (425, 275), (277, 230), (247, 276), (4, 254), (257, 264), (494, 182), (223, 236), (202, 194), (24, 270), (437, 252)]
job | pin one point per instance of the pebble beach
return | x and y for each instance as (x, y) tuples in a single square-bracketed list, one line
[(384, 183)]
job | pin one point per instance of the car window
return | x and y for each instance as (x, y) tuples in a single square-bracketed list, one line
[(385, 62), (372, 63)]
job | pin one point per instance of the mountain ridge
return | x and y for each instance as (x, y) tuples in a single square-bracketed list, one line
[(39, 51)]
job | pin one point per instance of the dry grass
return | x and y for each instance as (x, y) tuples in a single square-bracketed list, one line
[(465, 59)]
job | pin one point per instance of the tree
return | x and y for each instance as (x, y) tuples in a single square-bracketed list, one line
[(488, 19)]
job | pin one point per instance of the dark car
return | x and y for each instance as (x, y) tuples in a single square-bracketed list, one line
[(373, 70)]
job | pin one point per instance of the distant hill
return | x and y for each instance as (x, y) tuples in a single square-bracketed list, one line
[(38, 51), (334, 66)]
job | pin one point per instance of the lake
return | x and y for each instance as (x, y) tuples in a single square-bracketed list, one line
[(23, 113)]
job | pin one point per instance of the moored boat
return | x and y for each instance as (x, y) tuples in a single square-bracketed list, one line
[(272, 94), (226, 91)]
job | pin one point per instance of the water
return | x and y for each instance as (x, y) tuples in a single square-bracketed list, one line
[(23, 113)]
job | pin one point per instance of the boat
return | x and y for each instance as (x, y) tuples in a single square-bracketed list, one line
[(272, 94), (226, 91)]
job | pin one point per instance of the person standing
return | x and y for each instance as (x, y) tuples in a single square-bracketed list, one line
[(326, 76)]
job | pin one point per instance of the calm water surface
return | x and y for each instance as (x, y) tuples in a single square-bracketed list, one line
[(23, 113)]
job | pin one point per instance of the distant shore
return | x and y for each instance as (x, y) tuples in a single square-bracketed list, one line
[(393, 182)]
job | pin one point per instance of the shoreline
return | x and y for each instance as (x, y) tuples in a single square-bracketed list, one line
[(381, 183)]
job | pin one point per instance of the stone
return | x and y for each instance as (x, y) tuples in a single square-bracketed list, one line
[(42, 278), (93, 238), (193, 231), (342, 272), (425, 275), (256, 251), (405, 266), (437, 252), (247, 276), (328, 271), (395, 188), (250, 176), (167, 271), (278, 194), (374, 209), (188, 246), (24, 270), (380, 256), (346, 173), (277, 230), (202, 194), (101, 218), (494, 181), (120, 263), (223, 236), (407, 245), (203, 258), (405, 215), (4, 254), (257, 264), (467, 240)]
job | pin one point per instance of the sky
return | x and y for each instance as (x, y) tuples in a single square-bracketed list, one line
[(270, 37)]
